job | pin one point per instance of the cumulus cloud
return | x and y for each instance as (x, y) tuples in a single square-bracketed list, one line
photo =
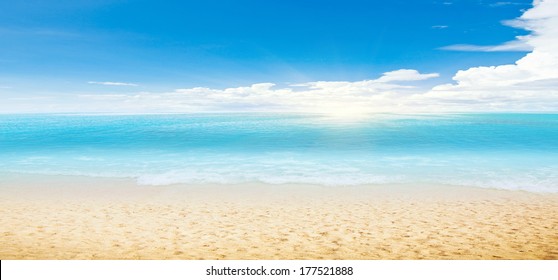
[(341, 98), (112, 84), (328, 97), (405, 75), (528, 84), (521, 43)]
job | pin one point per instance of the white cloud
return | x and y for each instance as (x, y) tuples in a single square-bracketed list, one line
[(528, 84), (339, 98), (113, 84), (405, 75), (330, 97), (439, 26), (499, 4), (520, 44), (540, 64)]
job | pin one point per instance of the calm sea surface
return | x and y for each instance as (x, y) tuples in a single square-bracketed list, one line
[(508, 151)]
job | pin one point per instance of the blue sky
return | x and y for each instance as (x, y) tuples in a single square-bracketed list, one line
[(232, 43), (67, 48)]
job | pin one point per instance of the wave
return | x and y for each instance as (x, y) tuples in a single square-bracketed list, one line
[(530, 181)]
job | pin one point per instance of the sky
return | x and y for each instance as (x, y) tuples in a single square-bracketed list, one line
[(318, 56)]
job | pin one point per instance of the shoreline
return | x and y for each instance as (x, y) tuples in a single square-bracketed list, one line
[(72, 217)]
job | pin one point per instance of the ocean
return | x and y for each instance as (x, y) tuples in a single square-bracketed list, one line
[(503, 151)]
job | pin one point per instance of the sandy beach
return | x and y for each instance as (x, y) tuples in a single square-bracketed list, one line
[(45, 217)]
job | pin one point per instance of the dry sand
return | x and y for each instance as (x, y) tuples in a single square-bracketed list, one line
[(79, 218)]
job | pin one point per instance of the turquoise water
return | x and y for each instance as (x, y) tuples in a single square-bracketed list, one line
[(507, 151)]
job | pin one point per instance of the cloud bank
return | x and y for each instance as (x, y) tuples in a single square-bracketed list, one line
[(328, 97), (529, 84)]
